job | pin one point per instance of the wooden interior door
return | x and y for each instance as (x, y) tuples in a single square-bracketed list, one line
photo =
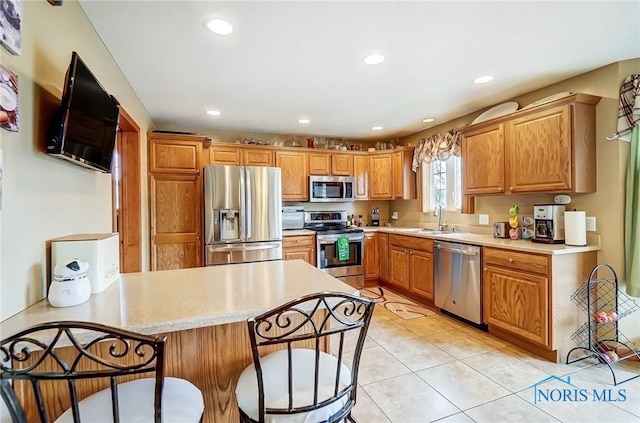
[(126, 189)]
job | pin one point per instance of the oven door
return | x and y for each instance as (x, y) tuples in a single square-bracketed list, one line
[(324, 189), (327, 255)]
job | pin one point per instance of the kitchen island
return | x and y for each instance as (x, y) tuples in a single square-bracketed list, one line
[(203, 313)]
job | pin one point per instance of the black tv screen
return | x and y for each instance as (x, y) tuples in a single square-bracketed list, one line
[(84, 128)]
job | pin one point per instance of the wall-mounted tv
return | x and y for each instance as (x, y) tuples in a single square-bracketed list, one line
[(84, 128)]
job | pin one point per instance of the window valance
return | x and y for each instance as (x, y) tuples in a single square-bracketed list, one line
[(436, 147)]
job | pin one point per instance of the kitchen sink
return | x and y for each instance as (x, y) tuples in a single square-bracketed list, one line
[(435, 231)]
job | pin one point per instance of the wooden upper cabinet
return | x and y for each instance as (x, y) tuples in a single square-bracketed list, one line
[(319, 164), (257, 157), (330, 164), (361, 177), (548, 148), (295, 171), (540, 151), (380, 177), (225, 156), (404, 179), (483, 158), (177, 154), (342, 164)]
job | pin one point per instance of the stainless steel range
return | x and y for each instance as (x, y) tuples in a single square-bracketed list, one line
[(329, 227)]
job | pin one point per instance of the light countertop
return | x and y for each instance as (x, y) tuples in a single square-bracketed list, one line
[(172, 300), (297, 232), (489, 241)]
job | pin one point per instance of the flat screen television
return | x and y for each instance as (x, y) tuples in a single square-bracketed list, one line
[(84, 128)]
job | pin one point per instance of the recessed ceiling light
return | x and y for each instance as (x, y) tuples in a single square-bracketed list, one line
[(213, 112), (219, 26), (427, 120), (377, 128), (304, 121), (374, 59), (483, 79)]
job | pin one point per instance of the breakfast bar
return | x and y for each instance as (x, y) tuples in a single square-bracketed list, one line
[(203, 313)]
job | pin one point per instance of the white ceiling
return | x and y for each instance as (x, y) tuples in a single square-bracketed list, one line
[(287, 60)]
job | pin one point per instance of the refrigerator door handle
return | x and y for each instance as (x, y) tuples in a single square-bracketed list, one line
[(247, 206), (243, 205)]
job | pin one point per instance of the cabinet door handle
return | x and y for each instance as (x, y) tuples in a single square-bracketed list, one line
[(298, 241), (510, 260), (410, 252), (510, 188), (485, 269)]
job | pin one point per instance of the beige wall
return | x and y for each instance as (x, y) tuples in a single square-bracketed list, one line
[(607, 204), (44, 197)]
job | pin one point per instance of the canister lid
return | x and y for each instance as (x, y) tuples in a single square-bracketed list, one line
[(70, 269)]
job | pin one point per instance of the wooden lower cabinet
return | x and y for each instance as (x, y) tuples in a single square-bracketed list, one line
[(527, 298), (421, 273), (399, 269), (411, 264), (517, 302), (371, 256), (383, 256), (302, 247)]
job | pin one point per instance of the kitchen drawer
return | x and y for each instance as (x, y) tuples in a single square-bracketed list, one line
[(412, 242), (298, 241), (520, 261)]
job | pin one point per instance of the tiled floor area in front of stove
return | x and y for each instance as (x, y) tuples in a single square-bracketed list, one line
[(437, 369)]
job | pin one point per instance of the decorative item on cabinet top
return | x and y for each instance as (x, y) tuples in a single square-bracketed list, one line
[(162, 131)]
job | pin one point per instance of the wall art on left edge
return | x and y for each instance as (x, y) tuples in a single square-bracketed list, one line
[(9, 100), (11, 25)]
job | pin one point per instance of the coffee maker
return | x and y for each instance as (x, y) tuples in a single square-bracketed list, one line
[(548, 223)]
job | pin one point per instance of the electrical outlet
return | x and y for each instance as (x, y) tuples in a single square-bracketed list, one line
[(483, 219), (591, 224)]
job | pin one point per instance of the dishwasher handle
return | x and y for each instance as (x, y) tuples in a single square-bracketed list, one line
[(454, 248)]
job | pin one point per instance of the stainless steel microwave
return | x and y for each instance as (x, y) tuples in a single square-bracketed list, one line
[(330, 189)]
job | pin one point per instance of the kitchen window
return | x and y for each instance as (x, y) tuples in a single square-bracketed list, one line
[(441, 183)]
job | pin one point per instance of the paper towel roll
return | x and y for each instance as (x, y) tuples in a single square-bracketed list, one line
[(575, 228)]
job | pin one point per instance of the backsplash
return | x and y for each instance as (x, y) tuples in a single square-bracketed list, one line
[(497, 207), (354, 207)]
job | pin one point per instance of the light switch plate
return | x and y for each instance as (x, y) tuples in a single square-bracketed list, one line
[(483, 219), (591, 224)]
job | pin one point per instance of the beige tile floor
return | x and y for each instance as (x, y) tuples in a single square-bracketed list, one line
[(437, 369)]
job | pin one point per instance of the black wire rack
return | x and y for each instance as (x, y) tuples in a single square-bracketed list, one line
[(600, 338)]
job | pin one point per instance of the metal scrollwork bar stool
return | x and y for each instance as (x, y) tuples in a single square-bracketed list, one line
[(294, 376), (51, 366)]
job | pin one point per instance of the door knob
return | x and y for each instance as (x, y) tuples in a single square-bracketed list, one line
[(510, 260)]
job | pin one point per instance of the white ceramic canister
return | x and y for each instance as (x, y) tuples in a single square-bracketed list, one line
[(70, 285)]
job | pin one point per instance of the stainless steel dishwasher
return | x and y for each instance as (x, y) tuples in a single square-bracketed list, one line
[(458, 280)]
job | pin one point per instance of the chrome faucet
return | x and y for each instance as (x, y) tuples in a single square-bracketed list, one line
[(438, 212)]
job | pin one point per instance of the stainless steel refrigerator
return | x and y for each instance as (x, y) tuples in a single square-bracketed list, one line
[(243, 221)]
